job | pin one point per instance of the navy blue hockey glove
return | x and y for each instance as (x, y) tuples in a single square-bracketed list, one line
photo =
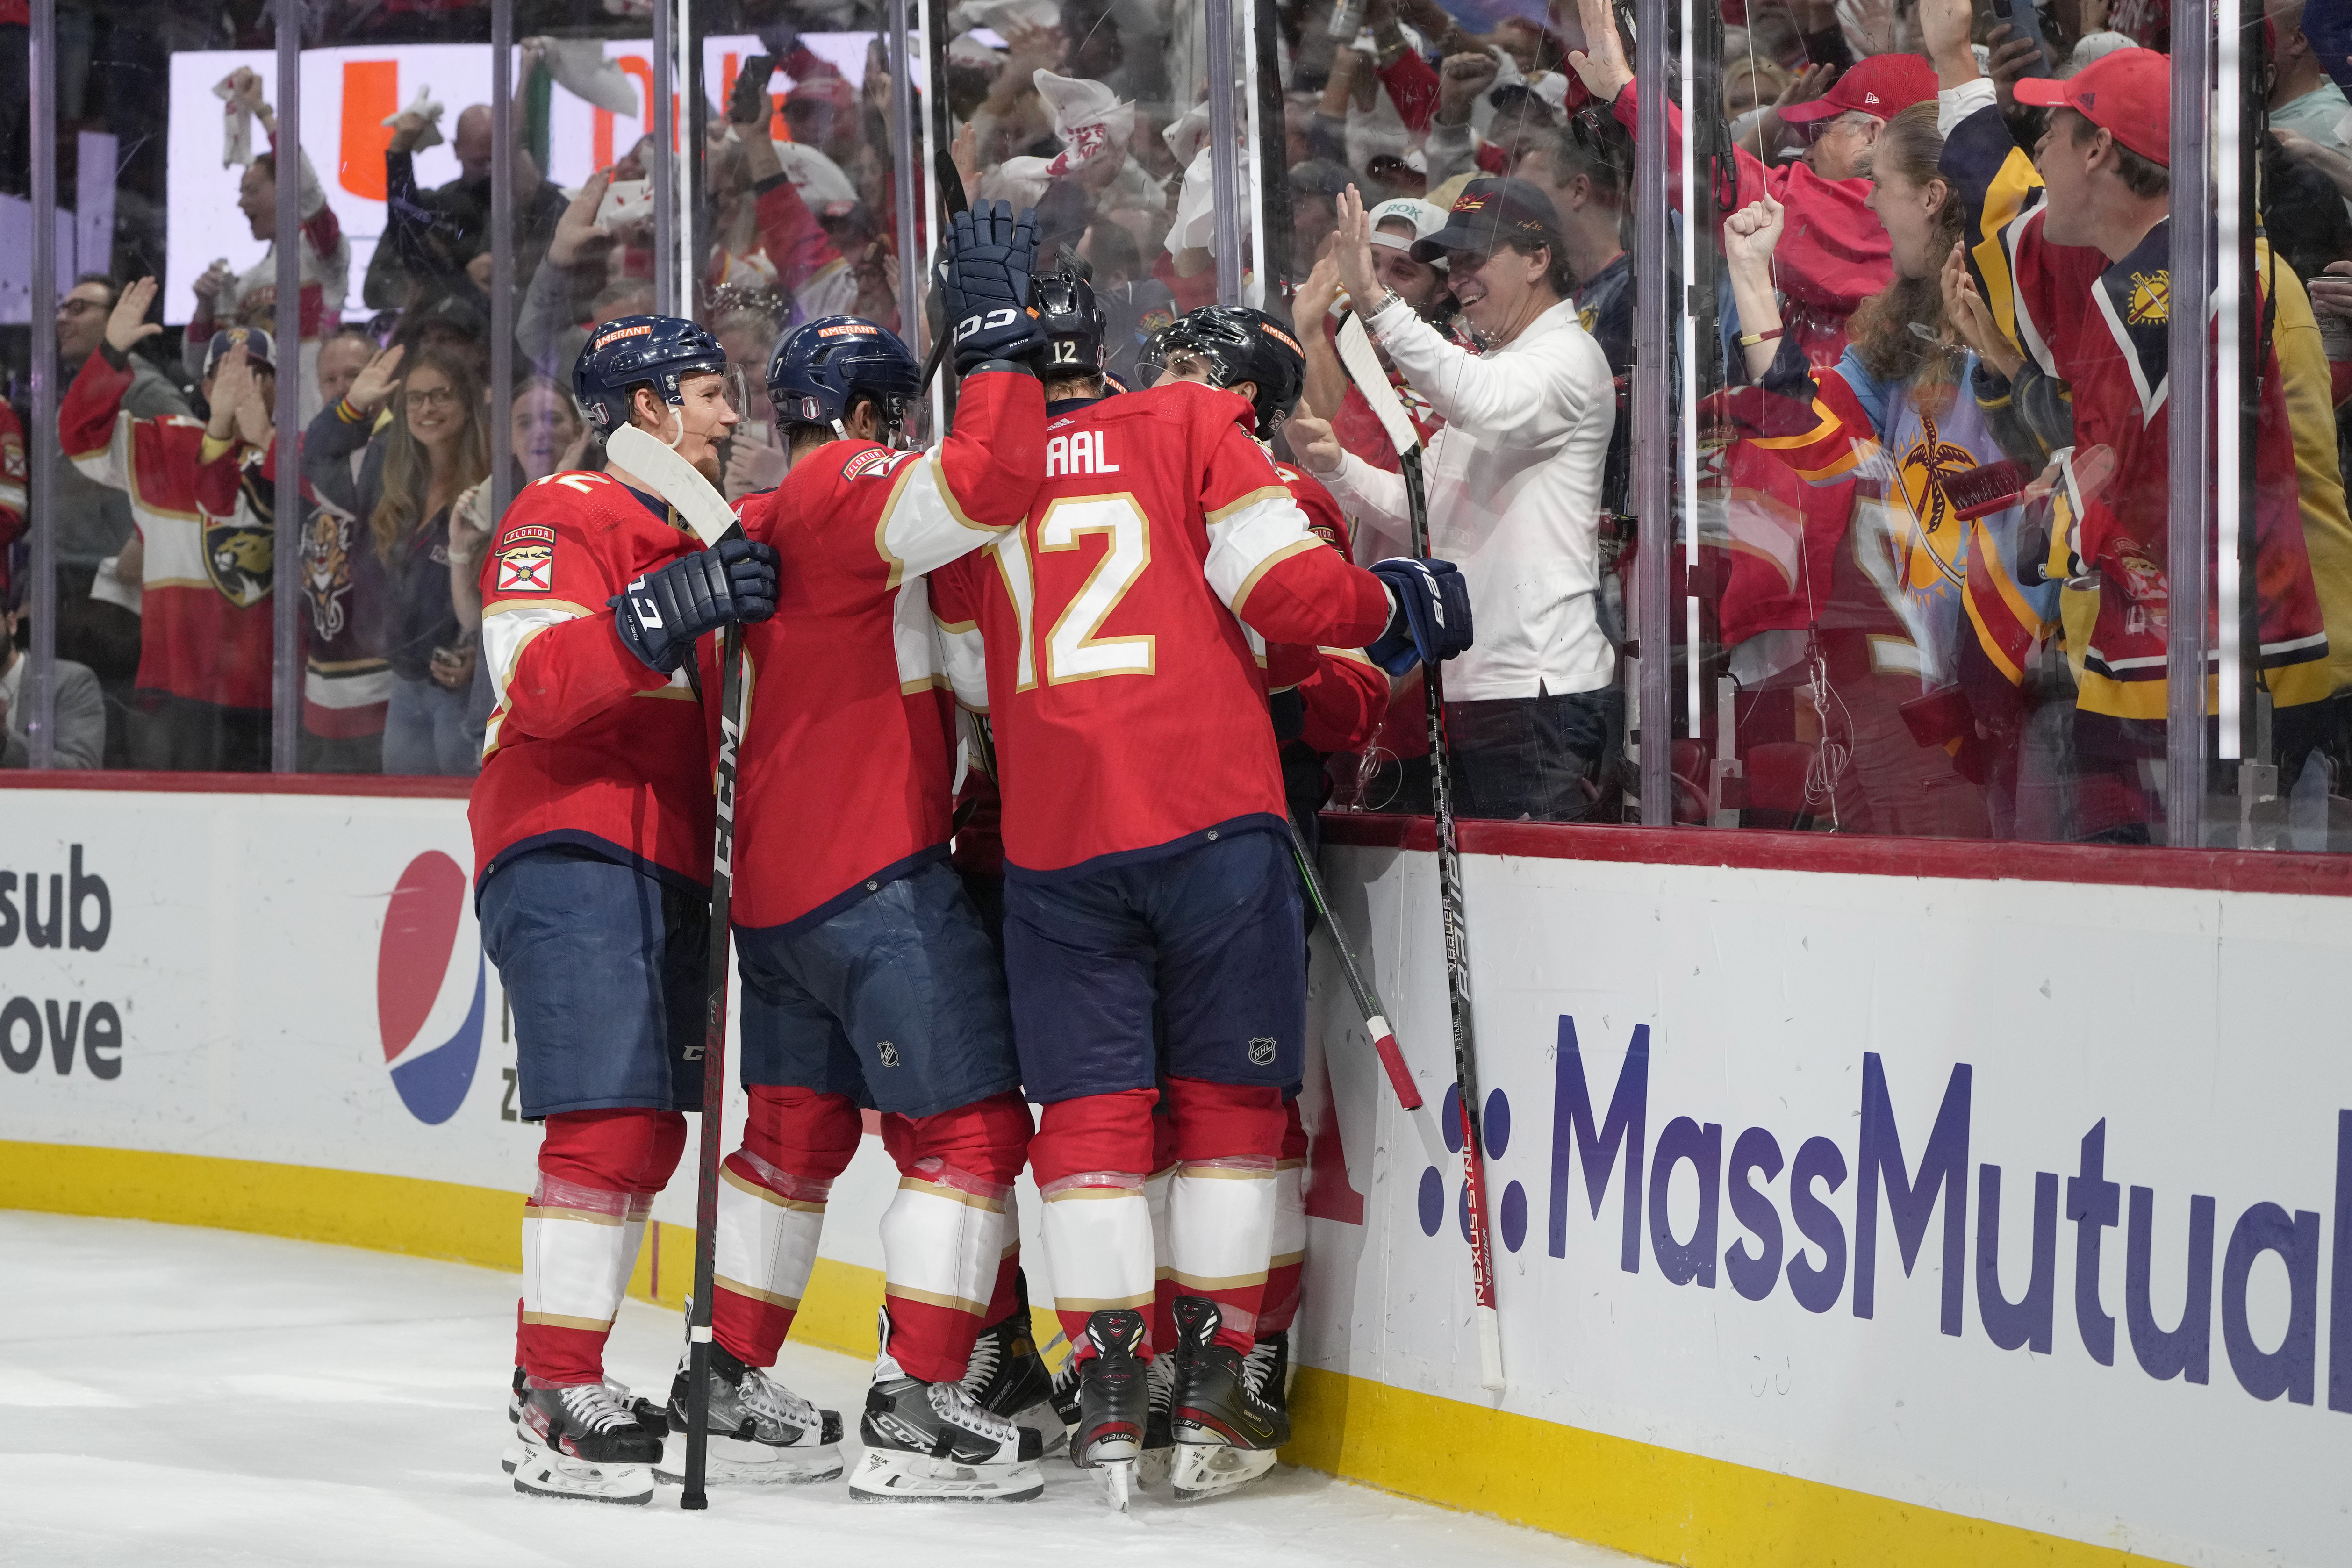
[(665, 612), (984, 279), (1431, 620)]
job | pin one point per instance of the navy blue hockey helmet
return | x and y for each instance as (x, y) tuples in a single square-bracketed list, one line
[(1074, 323), (1240, 344), (633, 350), (820, 368)]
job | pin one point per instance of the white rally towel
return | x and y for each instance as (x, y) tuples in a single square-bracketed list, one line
[(422, 104), (580, 68), (236, 123)]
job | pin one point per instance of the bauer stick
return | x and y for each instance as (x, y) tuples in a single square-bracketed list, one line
[(713, 522), (1367, 1002), (1363, 368)]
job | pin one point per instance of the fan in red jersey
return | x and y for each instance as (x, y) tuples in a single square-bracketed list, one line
[(593, 824), (1153, 928), (869, 979)]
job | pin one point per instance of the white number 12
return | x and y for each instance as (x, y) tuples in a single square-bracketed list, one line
[(1072, 651)]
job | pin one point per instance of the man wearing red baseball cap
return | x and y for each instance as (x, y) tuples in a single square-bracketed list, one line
[(2070, 250)]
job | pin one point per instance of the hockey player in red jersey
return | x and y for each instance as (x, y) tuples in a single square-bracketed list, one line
[(1323, 700), (1152, 927), (593, 823), (869, 979)]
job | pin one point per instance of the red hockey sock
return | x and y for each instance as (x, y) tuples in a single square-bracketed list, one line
[(1090, 1156), (1221, 1204), (947, 1234), (772, 1200), (1284, 1274), (580, 1225)]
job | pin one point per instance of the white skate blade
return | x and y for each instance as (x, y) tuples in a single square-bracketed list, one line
[(542, 1472), (890, 1475), (732, 1461), (1211, 1469), (1118, 1482), (1153, 1468), (512, 1459)]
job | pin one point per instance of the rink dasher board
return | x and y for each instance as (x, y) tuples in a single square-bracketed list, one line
[(246, 958), (2205, 1028)]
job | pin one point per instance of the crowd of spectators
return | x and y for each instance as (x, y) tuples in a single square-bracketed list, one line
[(1927, 594)]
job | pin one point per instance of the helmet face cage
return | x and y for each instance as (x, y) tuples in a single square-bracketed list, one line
[(1240, 345)]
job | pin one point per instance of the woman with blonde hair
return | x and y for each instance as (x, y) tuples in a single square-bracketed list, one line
[(1921, 653)]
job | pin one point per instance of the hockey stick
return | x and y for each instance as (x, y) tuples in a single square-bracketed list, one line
[(1363, 368), (1367, 1002), (713, 522), (951, 179)]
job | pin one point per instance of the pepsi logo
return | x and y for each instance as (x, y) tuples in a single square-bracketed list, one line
[(413, 967)]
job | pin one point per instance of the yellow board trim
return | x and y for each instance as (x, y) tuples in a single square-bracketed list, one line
[(1653, 1501)]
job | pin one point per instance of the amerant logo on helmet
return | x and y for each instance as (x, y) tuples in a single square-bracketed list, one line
[(642, 330), (850, 328), (1279, 336)]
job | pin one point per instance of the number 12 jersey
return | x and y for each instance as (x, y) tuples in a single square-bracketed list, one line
[(1117, 638)]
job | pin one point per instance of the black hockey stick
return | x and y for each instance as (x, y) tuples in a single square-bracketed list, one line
[(951, 179), (1363, 368), (1367, 1002), (700, 505), (714, 1074)]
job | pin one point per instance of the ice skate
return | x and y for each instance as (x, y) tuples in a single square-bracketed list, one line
[(1226, 1432), (1269, 1370), (1114, 1402), (1007, 1377), (1159, 1438), (649, 1415), (933, 1442), (760, 1431), (579, 1441)]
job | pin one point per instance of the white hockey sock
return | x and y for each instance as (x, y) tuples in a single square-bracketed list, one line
[(1155, 1193), (1098, 1231), (1220, 1233), (576, 1253), (768, 1231), (943, 1238)]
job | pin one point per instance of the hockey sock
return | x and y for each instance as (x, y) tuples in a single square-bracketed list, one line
[(944, 1236), (579, 1231), (1283, 1274), (1089, 1157), (772, 1200), (1220, 1204), (1155, 1193)]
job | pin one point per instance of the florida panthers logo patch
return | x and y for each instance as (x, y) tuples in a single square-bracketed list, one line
[(240, 555), (526, 559)]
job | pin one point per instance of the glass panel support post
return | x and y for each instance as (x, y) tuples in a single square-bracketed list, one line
[(289, 643), (1653, 423), (40, 672), (2191, 453)]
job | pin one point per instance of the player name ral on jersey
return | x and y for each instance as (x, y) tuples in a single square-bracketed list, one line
[(1079, 452)]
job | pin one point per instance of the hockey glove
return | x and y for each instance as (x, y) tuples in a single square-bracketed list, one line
[(1430, 621), (984, 278), (665, 612)]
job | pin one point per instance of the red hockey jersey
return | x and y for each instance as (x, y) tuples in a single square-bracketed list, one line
[(586, 746), (211, 548), (848, 756), (1343, 692), (1116, 637)]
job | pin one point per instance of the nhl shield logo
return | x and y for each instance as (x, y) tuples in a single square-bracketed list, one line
[(240, 557), (889, 1052), (1261, 1052)]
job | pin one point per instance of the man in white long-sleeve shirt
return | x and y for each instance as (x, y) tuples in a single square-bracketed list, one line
[(1513, 485)]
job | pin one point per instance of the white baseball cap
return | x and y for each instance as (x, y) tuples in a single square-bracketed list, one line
[(1426, 218)]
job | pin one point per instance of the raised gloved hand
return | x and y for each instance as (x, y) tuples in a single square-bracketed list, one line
[(1430, 621), (664, 612), (984, 279)]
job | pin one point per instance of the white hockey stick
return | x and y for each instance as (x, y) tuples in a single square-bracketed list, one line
[(708, 513), (1363, 367)]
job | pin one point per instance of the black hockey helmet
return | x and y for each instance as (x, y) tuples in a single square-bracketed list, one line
[(821, 367), (1240, 345), (1065, 303)]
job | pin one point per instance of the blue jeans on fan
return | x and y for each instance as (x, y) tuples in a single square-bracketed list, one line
[(426, 731)]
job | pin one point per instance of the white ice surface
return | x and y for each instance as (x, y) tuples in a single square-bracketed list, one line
[(171, 1395)]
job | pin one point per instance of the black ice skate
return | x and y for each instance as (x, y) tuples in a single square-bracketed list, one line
[(1114, 1401), (1267, 1367), (1007, 1377), (760, 1431), (1226, 1431), (933, 1442), (649, 1415), (579, 1441)]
